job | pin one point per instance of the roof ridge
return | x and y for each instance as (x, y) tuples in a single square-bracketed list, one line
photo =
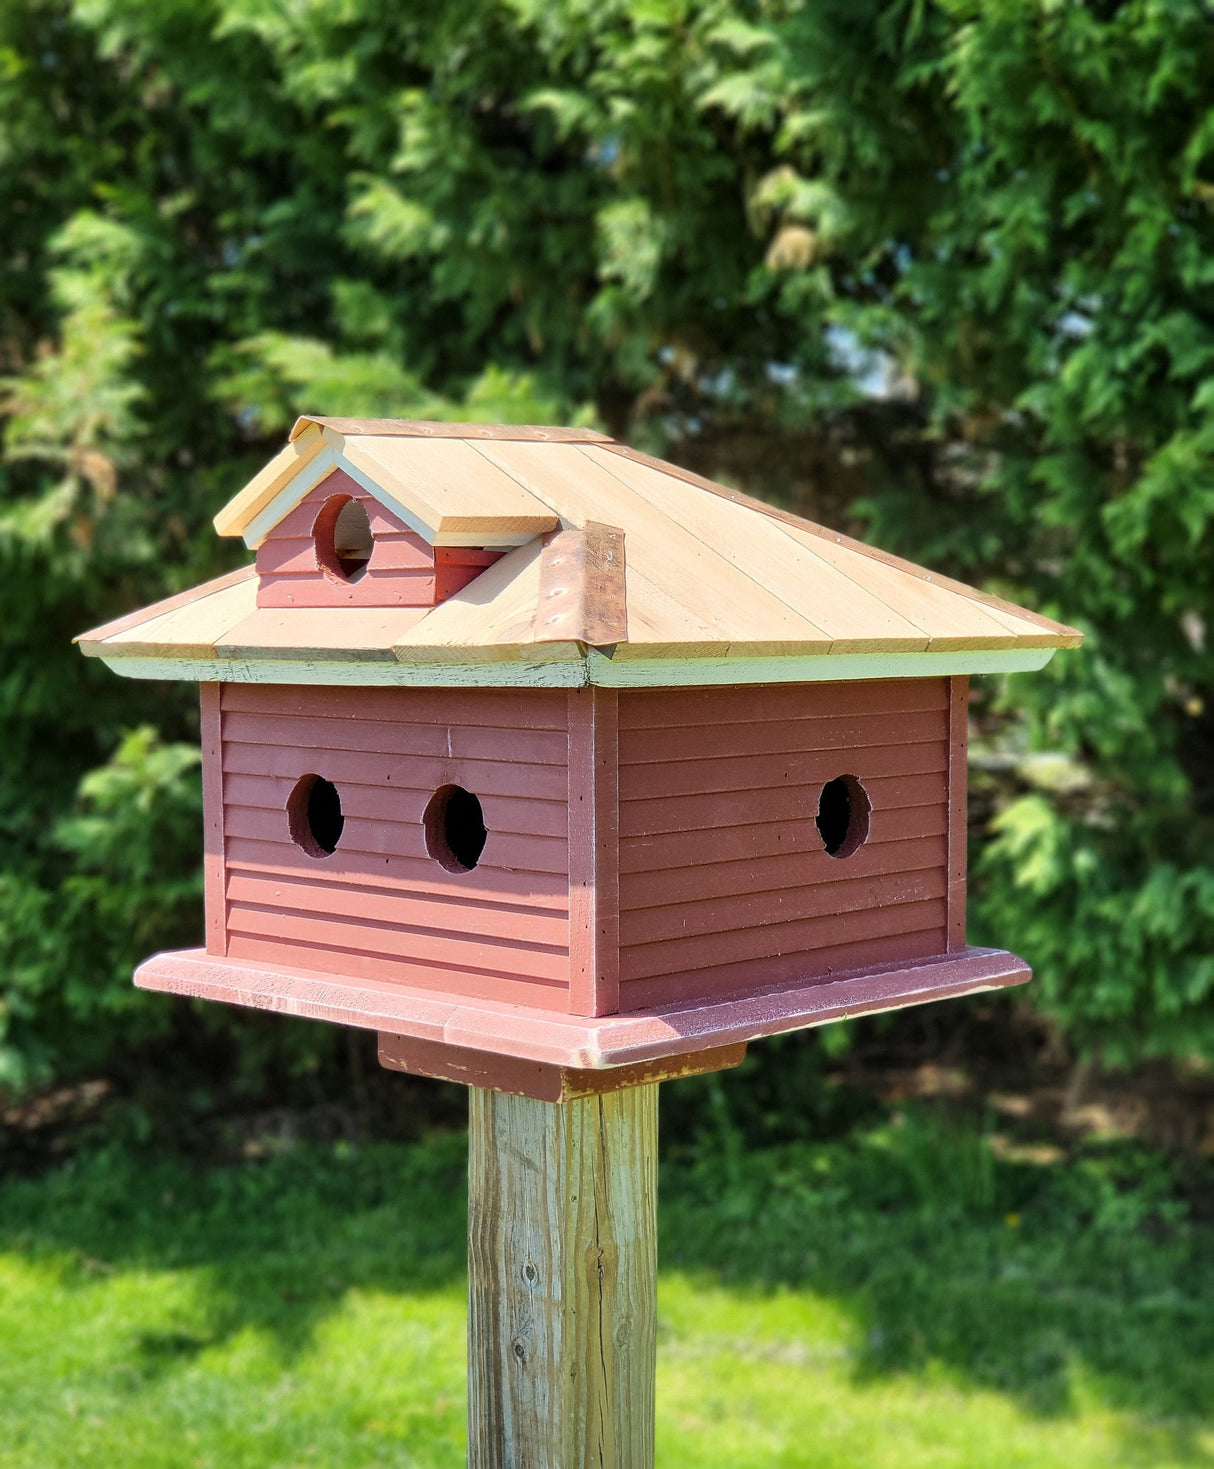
[(419, 428), (798, 522)]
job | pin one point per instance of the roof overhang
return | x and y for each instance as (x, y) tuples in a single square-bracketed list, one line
[(618, 570)]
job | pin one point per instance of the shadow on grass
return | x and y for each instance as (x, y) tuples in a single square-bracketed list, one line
[(278, 1242), (1043, 1283), (1057, 1284)]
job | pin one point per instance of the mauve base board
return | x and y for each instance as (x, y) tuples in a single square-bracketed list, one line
[(670, 1035)]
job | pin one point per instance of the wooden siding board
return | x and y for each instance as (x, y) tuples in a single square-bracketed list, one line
[(400, 573), (776, 874), (406, 787), (506, 851), (359, 964), (698, 707), (516, 957), (511, 887), (504, 815), (669, 851), (958, 816), (397, 909), (260, 741), (722, 866), (769, 908), (794, 800), (593, 807), (295, 556), (773, 972), (214, 898), (753, 767), (775, 939), (404, 570), (379, 899), (805, 735), (520, 709)]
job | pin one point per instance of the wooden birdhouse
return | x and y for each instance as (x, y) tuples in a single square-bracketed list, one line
[(563, 768)]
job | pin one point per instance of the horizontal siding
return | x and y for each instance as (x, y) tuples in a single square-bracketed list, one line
[(775, 937), (380, 906), (775, 874), (266, 736), (447, 949), (392, 774), (683, 709), (454, 709), (440, 913), (791, 767), (724, 880), (394, 872), (776, 805), (746, 910), (281, 555), (677, 851), (775, 971), (401, 572), (377, 967), (504, 815), (505, 851)]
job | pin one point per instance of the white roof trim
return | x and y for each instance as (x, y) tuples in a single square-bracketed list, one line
[(594, 668), (329, 459)]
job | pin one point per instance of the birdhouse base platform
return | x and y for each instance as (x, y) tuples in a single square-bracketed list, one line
[(554, 1056)]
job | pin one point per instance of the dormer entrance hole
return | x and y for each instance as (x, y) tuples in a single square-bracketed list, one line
[(843, 812), (314, 816), (343, 538), (455, 828)]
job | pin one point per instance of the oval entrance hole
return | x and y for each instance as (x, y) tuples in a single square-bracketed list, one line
[(455, 828), (314, 816), (843, 812)]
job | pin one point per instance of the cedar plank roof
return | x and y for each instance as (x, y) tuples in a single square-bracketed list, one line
[(618, 568)]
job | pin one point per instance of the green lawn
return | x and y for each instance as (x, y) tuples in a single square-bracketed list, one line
[(895, 1297)]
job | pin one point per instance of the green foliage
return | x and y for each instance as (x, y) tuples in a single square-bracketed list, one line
[(932, 269)]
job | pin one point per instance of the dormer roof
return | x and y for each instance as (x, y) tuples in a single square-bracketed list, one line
[(619, 569)]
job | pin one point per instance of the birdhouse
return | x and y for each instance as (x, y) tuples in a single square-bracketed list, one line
[(563, 768)]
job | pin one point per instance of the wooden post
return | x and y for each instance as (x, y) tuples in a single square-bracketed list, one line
[(562, 1271)]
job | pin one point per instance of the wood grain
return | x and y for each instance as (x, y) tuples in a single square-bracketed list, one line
[(269, 482), (583, 589), (725, 879), (763, 1005), (958, 814), (339, 968), (404, 569), (379, 906), (446, 490), (594, 874), (214, 896), (1068, 636), (562, 1274), (419, 428), (536, 1079)]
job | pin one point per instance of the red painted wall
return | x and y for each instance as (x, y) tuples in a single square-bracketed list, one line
[(404, 570), (707, 797), (724, 881), (380, 907)]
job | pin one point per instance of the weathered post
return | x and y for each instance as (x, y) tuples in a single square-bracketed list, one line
[(562, 1268)]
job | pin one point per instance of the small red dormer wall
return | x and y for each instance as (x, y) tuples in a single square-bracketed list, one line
[(296, 566)]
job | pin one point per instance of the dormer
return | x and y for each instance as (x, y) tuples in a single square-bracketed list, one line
[(374, 513)]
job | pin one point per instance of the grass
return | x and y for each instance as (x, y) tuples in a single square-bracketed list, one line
[(898, 1296)]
